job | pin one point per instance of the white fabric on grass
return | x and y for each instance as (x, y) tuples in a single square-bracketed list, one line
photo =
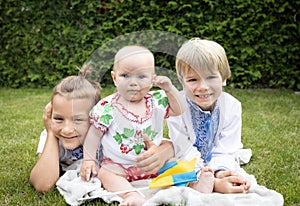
[(76, 192)]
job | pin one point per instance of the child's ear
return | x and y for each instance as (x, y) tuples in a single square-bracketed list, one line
[(224, 83), (113, 76)]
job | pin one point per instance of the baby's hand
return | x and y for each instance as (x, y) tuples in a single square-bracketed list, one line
[(88, 169), (163, 82)]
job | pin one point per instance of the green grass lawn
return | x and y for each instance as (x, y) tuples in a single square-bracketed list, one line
[(270, 129)]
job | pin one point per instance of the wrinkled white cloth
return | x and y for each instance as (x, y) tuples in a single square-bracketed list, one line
[(243, 156), (76, 192), (73, 188), (258, 196)]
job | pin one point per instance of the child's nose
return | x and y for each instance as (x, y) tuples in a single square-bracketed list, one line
[(203, 85), (133, 82), (69, 128)]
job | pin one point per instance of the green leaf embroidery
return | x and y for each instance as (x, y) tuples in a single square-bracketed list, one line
[(150, 133), (105, 118), (128, 132), (147, 131), (163, 101), (118, 138), (153, 135), (138, 148), (108, 108), (157, 95)]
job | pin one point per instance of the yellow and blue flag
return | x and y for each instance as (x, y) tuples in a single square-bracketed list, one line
[(177, 173)]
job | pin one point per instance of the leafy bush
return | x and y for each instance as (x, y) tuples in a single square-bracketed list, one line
[(44, 41)]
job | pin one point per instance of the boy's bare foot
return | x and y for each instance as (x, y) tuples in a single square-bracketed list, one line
[(132, 199), (205, 184)]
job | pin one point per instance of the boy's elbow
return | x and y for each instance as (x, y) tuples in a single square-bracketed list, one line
[(181, 110), (40, 186)]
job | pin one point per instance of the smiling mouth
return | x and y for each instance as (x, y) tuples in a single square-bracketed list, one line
[(70, 137), (203, 96)]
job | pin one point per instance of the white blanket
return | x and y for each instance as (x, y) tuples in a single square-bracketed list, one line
[(258, 196), (76, 191), (73, 188)]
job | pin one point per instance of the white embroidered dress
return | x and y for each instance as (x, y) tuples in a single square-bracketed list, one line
[(123, 131)]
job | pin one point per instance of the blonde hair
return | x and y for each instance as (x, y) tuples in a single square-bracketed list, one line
[(78, 86), (198, 54), (131, 50)]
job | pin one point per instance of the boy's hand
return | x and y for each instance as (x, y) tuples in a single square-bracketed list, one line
[(151, 160), (163, 82), (88, 169), (47, 116)]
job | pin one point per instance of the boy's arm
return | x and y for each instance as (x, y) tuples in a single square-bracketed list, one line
[(182, 136), (155, 157), (228, 140), (45, 173), (176, 100)]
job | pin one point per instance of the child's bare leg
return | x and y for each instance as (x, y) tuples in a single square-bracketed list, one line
[(132, 199), (205, 184), (115, 182)]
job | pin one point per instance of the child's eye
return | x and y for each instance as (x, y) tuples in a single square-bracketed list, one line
[(58, 119), (212, 77), (142, 76), (191, 80), (125, 75), (77, 121)]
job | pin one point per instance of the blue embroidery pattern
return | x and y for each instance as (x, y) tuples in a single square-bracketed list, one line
[(77, 153), (205, 126)]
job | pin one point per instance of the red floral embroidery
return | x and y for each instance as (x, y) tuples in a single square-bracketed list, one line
[(125, 149), (103, 103)]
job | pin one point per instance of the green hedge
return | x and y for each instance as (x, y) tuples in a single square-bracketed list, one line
[(43, 41)]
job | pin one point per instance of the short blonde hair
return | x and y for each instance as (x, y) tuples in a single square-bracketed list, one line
[(199, 55), (131, 50), (79, 87)]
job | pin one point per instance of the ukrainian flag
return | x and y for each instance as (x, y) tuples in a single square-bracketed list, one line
[(177, 173)]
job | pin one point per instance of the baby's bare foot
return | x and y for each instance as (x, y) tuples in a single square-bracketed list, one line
[(133, 199), (205, 184)]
